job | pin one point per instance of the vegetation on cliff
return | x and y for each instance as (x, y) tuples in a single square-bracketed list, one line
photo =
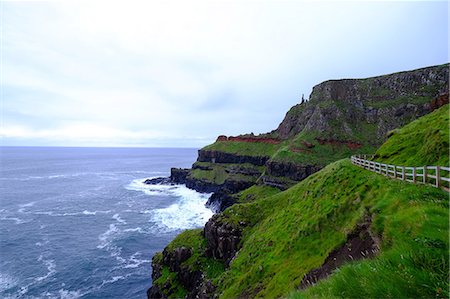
[(341, 118), (285, 236), (422, 142)]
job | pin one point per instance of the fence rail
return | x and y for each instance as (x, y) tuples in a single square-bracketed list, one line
[(437, 176)]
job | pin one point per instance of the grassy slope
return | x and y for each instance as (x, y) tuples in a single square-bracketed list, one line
[(422, 142), (190, 239), (320, 154), (313, 217), (289, 233), (244, 148), (219, 172)]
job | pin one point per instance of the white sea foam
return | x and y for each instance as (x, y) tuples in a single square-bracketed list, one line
[(113, 279), (118, 219), (134, 261), (65, 294), (188, 212), (85, 213), (106, 240), (7, 282), (45, 241), (15, 219), (136, 229), (51, 268), (139, 185)]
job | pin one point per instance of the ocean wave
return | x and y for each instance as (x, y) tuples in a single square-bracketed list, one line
[(134, 262), (139, 185), (66, 294), (7, 282), (106, 242), (118, 219), (15, 219), (188, 212), (51, 268), (85, 213)]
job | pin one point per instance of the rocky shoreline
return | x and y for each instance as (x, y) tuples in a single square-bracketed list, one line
[(335, 121)]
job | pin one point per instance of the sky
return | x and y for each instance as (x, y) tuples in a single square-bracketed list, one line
[(180, 73)]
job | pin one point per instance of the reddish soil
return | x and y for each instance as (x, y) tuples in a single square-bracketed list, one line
[(300, 150), (350, 144), (440, 101), (360, 244), (249, 139)]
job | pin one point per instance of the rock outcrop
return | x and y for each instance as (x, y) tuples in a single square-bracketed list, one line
[(387, 102), (222, 157), (341, 117), (222, 239)]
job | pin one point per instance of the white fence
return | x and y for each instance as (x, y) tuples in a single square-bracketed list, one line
[(437, 176)]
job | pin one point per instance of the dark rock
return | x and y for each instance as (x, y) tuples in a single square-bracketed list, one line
[(155, 293), (221, 157), (222, 239), (174, 258), (220, 200), (159, 181), (201, 167), (293, 171), (360, 244), (384, 101), (178, 175), (201, 185), (277, 182)]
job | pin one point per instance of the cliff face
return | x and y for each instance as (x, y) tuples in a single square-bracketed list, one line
[(249, 249), (386, 102), (342, 117)]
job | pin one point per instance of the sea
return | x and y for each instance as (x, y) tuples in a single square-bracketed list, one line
[(80, 222)]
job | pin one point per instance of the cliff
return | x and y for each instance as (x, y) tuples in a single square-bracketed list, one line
[(341, 232), (341, 118)]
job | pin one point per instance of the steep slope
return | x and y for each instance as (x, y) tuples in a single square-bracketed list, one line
[(422, 142), (342, 117), (371, 236)]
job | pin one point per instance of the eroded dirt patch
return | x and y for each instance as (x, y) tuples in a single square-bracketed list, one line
[(360, 244)]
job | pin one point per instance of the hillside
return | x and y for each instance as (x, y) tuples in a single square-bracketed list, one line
[(422, 142), (341, 118), (341, 232)]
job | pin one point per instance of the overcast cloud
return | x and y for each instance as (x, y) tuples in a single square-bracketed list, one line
[(179, 73)]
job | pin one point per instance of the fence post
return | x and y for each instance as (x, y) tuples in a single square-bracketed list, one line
[(438, 176), (425, 174), (395, 171), (387, 170), (403, 173), (414, 174)]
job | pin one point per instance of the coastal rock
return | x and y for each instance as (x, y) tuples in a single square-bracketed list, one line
[(178, 175), (222, 157), (222, 239), (220, 200), (159, 181), (348, 105), (290, 170), (360, 244)]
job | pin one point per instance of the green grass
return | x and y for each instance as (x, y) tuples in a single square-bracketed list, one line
[(287, 234), (244, 148), (256, 192), (194, 240), (421, 142), (220, 172), (320, 155), (217, 175), (292, 232)]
